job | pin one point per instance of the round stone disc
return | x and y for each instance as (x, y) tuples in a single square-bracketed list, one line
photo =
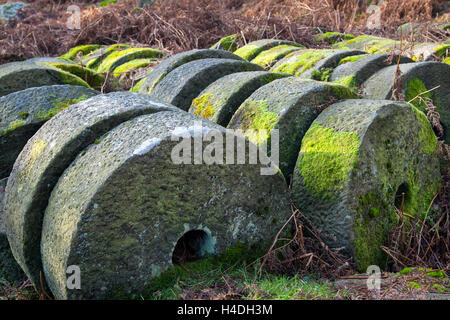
[(46, 156), (123, 226), (183, 84), (220, 100), (359, 71), (356, 160), (416, 77), (288, 105), (22, 113), (252, 49), (17, 76), (170, 64)]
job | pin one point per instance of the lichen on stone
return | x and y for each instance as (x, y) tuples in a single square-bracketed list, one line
[(59, 105), (427, 137), (268, 57), (80, 50), (13, 126), (203, 106), (247, 52), (132, 65)]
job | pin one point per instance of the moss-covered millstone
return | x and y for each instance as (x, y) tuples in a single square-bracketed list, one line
[(252, 49), (220, 100), (170, 64), (132, 65), (289, 105), (9, 269), (356, 72), (122, 229), (416, 78), (356, 160), (323, 68), (80, 51), (117, 58), (185, 83), (96, 57), (304, 62), (91, 77), (45, 157), (22, 113), (371, 44), (268, 58), (17, 76)]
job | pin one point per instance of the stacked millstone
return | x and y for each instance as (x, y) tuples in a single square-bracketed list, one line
[(135, 202), (22, 113), (119, 59), (422, 84), (267, 52), (377, 45), (17, 76), (358, 161), (181, 78)]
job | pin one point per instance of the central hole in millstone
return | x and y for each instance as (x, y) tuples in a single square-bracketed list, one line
[(193, 245), (402, 194)]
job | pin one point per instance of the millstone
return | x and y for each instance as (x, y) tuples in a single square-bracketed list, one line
[(153, 206), (327, 64), (289, 105), (95, 58), (9, 269), (22, 113), (117, 58), (356, 160), (17, 76), (92, 78), (416, 78), (367, 43), (183, 84), (228, 43), (220, 100), (268, 58), (170, 64), (304, 62), (252, 49), (355, 73), (46, 156)]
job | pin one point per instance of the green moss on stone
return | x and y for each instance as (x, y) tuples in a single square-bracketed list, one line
[(442, 50), (71, 79), (90, 76), (323, 74), (132, 65), (59, 105), (138, 85), (256, 116), (333, 37), (247, 52), (302, 62), (414, 88), (133, 53), (352, 58), (83, 50), (427, 137), (24, 115), (13, 126), (203, 106), (228, 43), (268, 57), (327, 157), (414, 285), (348, 81)]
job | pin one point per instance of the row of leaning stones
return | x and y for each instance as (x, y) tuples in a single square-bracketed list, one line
[(182, 92), (85, 65)]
